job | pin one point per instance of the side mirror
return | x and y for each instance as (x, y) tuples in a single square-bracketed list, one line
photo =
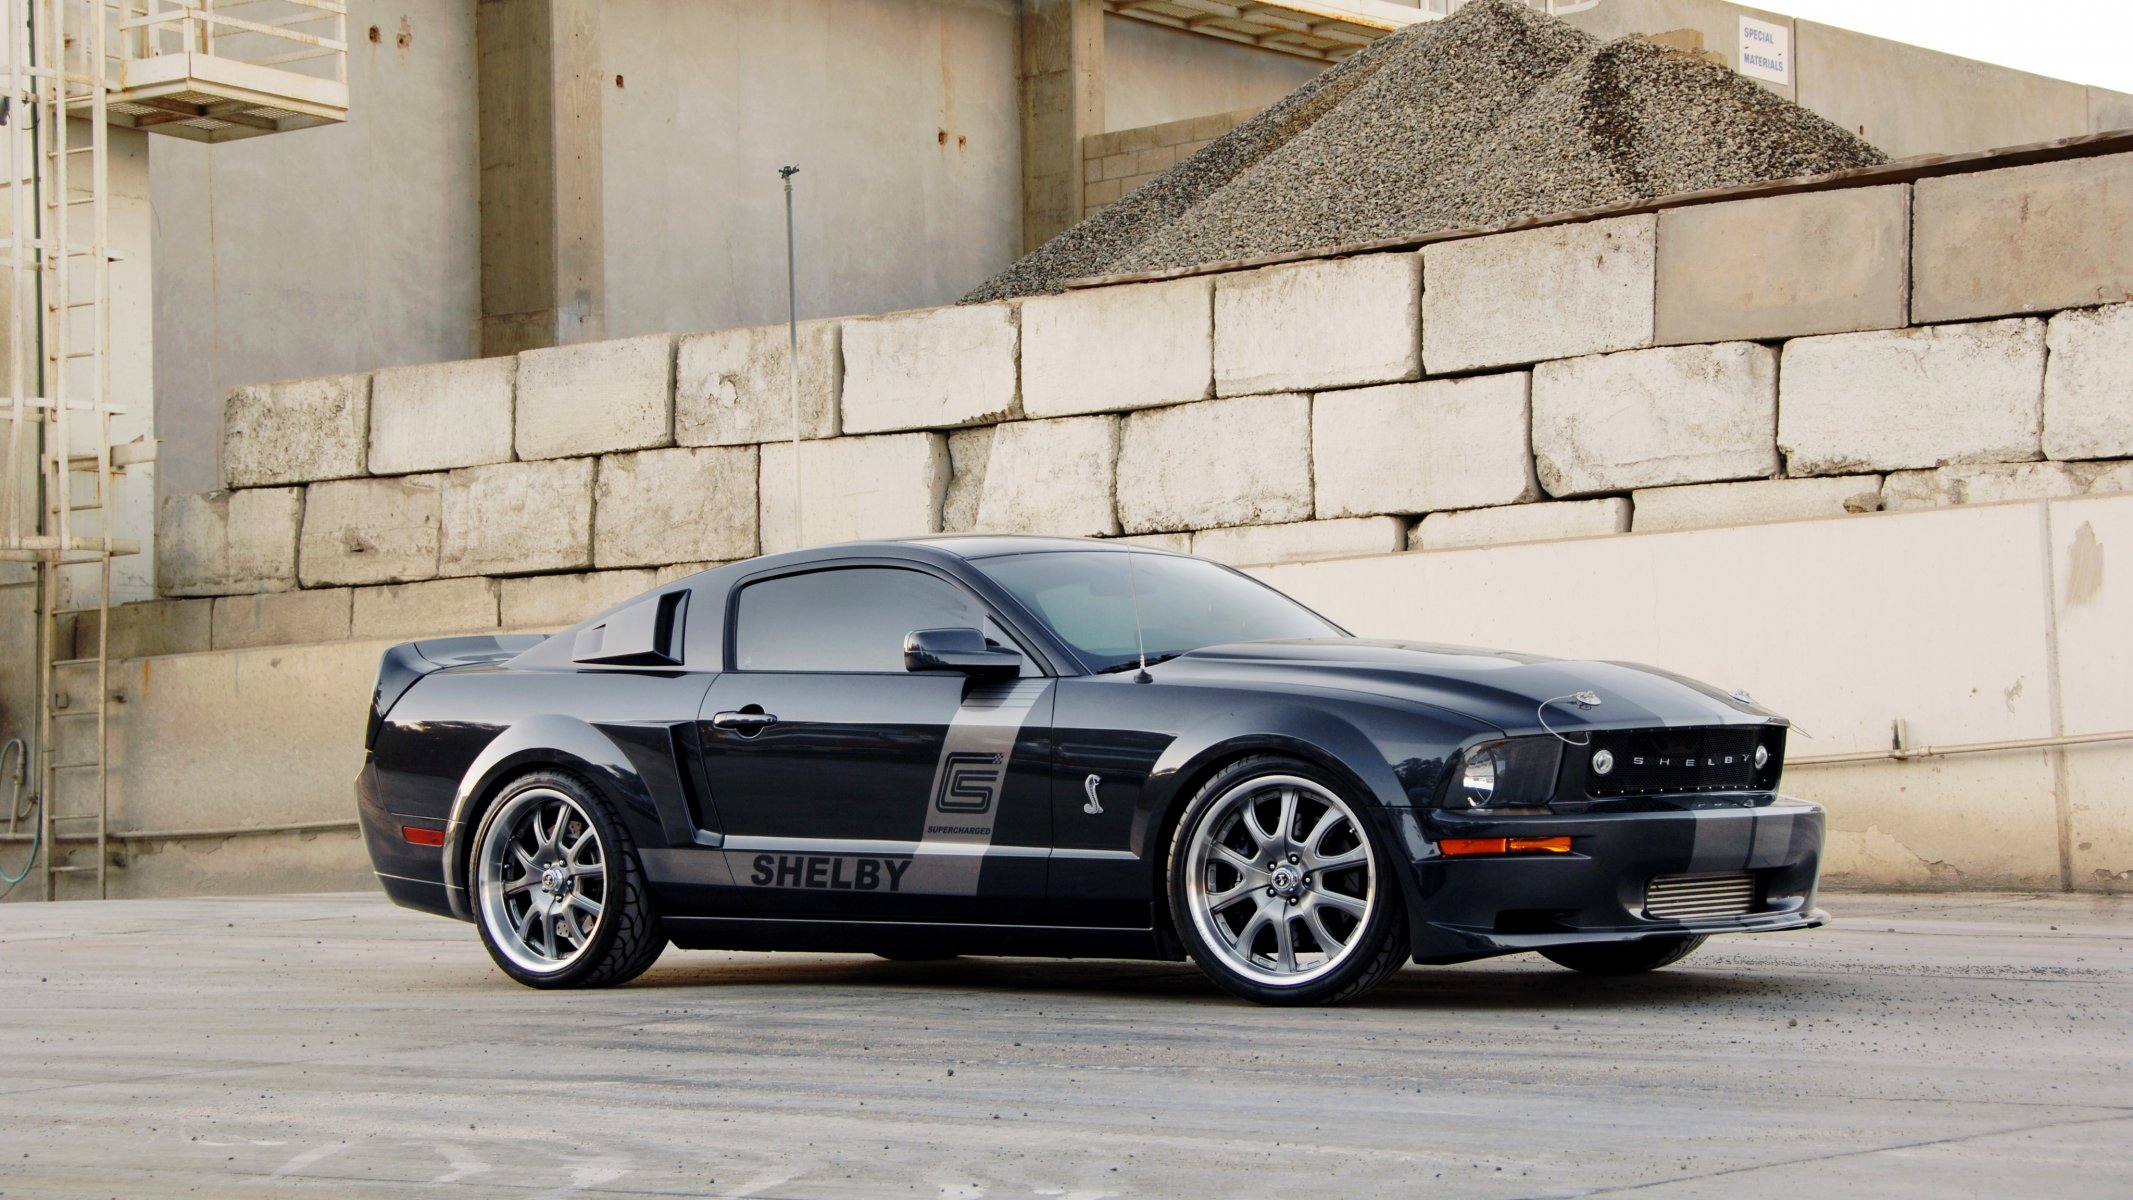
[(957, 650)]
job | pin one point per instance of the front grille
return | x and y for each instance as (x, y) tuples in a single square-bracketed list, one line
[(1690, 897), (1649, 762)]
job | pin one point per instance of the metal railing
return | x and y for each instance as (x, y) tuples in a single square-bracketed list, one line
[(308, 37)]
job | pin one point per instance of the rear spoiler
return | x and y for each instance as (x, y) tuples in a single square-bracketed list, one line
[(405, 663)]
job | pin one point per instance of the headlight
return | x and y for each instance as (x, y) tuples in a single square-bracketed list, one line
[(1519, 772)]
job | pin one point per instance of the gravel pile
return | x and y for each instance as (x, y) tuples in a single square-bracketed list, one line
[(1491, 115)]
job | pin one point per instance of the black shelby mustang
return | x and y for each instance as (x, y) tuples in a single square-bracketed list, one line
[(951, 746)]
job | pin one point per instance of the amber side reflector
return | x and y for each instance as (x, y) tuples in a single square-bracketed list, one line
[(1462, 847), (422, 837)]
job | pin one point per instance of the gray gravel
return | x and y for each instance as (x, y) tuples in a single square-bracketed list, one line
[(1492, 115)]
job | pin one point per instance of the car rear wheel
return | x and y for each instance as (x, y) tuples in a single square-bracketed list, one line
[(1623, 958), (1279, 887), (558, 894)]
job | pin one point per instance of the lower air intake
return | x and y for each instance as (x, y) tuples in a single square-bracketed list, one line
[(1692, 897)]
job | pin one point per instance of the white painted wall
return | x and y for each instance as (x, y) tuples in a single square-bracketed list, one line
[(1970, 624), (1153, 75), (340, 248), (902, 119)]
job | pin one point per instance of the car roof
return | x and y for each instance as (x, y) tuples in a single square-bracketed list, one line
[(992, 545)]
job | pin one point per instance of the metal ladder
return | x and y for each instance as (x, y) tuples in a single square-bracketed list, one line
[(58, 253)]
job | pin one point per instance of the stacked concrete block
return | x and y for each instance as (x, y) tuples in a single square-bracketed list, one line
[(680, 505), (1322, 324), (853, 488), (419, 610), (550, 602), (1545, 522), (370, 531), (441, 415), (1649, 418), (1912, 398), (1420, 447), (969, 450), (1557, 292), (1117, 348), (1055, 477), (1985, 483), (1756, 502), (2088, 384), (1302, 541), (595, 398), (1180, 542), (296, 432), (2023, 239), (936, 368), (1244, 461), (281, 618), (228, 543), (152, 627), (518, 518), (1784, 266), (732, 387)]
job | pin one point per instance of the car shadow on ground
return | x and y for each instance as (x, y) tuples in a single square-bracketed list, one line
[(1505, 985)]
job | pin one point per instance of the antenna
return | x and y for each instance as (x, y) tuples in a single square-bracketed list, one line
[(792, 351), (1133, 585)]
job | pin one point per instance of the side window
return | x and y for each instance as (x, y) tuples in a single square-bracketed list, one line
[(850, 619)]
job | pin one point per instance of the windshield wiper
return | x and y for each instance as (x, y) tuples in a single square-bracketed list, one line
[(1134, 665)]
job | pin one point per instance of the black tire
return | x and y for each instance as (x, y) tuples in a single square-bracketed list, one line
[(1376, 943), (624, 939), (1624, 958)]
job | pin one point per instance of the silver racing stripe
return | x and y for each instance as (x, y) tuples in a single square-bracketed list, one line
[(969, 779)]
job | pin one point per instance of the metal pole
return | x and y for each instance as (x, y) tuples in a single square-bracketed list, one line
[(792, 348)]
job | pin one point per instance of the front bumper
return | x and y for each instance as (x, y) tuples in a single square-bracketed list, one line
[(1467, 908)]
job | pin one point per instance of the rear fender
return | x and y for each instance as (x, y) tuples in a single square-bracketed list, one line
[(550, 740)]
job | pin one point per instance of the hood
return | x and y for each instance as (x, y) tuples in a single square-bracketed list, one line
[(1502, 688)]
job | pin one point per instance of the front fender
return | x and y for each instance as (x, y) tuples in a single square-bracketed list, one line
[(1316, 734), (549, 740)]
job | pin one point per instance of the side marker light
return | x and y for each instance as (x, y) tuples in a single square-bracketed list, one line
[(1469, 847), (422, 837)]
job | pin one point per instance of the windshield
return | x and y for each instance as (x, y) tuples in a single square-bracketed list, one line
[(1087, 597)]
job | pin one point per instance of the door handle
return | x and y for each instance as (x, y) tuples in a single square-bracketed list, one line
[(745, 723)]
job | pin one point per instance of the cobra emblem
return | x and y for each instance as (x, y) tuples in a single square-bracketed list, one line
[(1094, 806)]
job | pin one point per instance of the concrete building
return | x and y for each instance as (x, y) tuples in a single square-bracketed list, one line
[(490, 286), (517, 173)]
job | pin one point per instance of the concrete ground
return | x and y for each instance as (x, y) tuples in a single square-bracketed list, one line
[(335, 1045)]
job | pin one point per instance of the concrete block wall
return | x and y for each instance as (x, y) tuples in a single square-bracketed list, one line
[(1115, 163), (1960, 340)]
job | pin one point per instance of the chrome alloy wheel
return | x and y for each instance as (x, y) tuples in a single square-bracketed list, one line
[(1281, 879), (541, 879)]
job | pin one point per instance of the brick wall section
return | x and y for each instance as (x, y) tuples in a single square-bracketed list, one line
[(1117, 162), (1769, 359)]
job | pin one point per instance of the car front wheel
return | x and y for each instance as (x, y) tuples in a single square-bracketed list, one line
[(1279, 887), (1623, 958), (558, 894)]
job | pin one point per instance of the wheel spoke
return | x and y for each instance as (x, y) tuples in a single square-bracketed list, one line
[(1250, 933), (1351, 905), (1353, 858), (1317, 923), (516, 886), (586, 905), (548, 935), (525, 860), (1284, 942), (1319, 832), (1288, 814), (572, 853), (526, 920), (1243, 866), (1260, 833)]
